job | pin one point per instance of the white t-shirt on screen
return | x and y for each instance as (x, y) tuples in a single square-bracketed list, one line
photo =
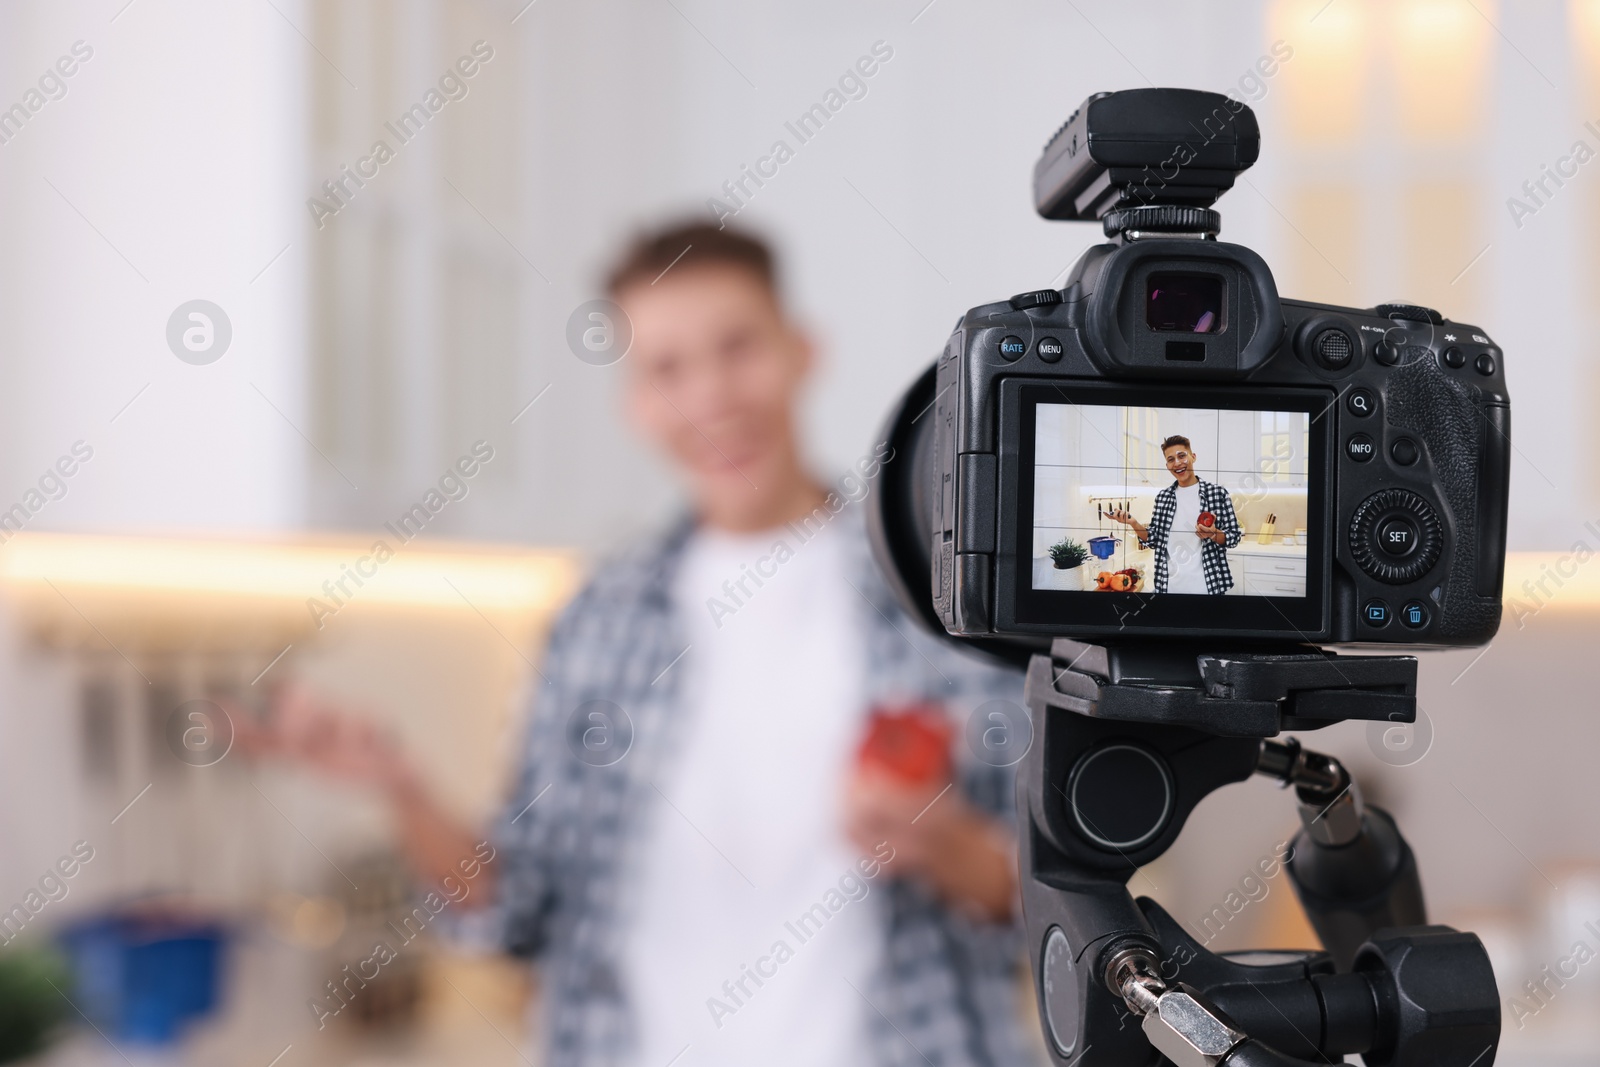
[(1185, 572)]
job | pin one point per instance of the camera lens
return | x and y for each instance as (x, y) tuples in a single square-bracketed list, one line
[(1184, 303)]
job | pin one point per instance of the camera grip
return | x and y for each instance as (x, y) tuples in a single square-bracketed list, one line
[(1451, 423), (1494, 480)]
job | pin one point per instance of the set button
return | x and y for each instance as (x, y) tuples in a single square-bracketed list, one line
[(1397, 537)]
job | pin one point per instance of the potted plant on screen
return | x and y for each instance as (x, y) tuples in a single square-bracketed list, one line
[(1067, 554)]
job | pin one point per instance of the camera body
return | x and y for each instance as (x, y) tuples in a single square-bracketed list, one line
[(1159, 489), (1380, 435)]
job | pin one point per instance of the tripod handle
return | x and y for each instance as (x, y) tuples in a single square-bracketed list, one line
[(1354, 873), (1351, 891)]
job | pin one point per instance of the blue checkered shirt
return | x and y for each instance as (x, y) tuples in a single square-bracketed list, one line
[(945, 992)]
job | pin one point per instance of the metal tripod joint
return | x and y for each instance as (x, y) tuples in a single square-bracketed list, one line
[(1177, 1021), (1330, 802)]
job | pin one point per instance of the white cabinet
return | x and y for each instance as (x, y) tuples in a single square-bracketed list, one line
[(1268, 573)]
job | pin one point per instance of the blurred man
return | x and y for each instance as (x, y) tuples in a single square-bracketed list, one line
[(1192, 526), (704, 869)]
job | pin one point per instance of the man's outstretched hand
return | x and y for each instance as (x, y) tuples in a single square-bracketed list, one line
[(963, 854), (303, 729), (307, 731)]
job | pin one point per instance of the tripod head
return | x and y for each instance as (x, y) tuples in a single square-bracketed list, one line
[(1127, 741)]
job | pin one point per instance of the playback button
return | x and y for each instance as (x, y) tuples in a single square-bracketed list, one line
[(1375, 613)]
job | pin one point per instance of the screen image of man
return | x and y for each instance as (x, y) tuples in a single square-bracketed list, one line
[(1191, 552)]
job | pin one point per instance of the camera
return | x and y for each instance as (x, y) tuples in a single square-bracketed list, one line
[(1164, 447), (1162, 490)]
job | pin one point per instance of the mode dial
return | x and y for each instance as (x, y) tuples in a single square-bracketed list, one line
[(1410, 313), (1034, 298)]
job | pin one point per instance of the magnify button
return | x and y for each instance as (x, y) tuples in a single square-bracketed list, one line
[(1361, 402)]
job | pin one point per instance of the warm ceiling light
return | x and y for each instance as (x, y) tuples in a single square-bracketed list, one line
[(1324, 82), (1440, 56)]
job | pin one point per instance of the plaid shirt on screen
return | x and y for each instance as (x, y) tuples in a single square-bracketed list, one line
[(1213, 558), (945, 989)]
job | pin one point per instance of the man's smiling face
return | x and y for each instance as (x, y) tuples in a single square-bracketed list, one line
[(1180, 464)]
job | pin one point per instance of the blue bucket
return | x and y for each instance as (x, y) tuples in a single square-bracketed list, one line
[(143, 978), (1103, 547)]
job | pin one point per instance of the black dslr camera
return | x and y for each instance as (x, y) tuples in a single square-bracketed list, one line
[(1353, 462), (1162, 489)]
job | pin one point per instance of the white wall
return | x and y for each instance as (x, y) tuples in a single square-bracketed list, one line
[(169, 171)]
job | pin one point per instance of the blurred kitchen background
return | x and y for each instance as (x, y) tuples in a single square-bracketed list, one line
[(169, 519)]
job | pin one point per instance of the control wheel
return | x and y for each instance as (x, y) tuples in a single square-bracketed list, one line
[(1396, 536)]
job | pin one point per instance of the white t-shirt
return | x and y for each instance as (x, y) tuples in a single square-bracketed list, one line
[(746, 834), (1185, 573)]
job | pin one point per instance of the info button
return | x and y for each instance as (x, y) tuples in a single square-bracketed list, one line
[(1360, 448)]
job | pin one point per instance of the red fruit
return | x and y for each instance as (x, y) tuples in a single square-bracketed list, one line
[(1207, 519), (911, 743)]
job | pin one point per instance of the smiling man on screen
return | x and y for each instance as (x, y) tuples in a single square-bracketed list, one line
[(1191, 528)]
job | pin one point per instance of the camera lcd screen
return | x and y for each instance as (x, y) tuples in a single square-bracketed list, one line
[(1109, 533), (1183, 303)]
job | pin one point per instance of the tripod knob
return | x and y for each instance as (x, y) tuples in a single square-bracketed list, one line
[(1437, 1001)]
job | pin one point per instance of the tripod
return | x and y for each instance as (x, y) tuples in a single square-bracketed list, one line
[(1126, 741)]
